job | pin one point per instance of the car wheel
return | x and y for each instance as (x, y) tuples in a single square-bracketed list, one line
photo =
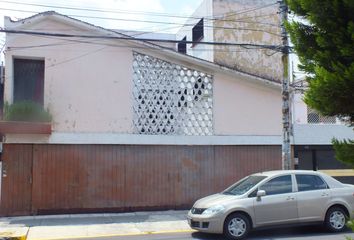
[(336, 219), (236, 226)]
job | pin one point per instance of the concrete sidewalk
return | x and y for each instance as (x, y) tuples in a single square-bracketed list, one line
[(93, 225)]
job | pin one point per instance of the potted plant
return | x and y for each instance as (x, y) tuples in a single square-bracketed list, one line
[(25, 117)]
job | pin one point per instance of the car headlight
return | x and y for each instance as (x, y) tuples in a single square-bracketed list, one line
[(213, 210)]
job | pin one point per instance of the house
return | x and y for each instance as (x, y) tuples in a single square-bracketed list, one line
[(312, 139), (135, 124)]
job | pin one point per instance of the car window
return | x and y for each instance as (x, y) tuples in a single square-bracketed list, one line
[(243, 185), (309, 182), (278, 185)]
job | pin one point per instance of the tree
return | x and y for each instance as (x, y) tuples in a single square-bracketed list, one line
[(323, 38)]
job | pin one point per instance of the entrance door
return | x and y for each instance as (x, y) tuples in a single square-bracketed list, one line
[(16, 189)]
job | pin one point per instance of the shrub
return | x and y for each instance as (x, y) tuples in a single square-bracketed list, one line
[(26, 111), (350, 224)]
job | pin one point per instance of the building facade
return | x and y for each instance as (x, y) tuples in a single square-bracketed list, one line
[(135, 125)]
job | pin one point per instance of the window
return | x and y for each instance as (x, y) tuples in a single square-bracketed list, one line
[(309, 182), (278, 185), (243, 185), (182, 46), (198, 31), (28, 80), (170, 99)]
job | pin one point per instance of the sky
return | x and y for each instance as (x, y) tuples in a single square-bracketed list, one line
[(126, 9), (136, 11)]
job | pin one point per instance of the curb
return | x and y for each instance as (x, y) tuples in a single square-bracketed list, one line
[(117, 235), (12, 235), (13, 238)]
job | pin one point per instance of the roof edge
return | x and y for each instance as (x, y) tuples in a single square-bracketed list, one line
[(8, 22)]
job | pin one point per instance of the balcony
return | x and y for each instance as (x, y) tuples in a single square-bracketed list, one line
[(21, 127), (25, 117)]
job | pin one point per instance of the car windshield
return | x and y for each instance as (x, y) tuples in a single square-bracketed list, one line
[(243, 185)]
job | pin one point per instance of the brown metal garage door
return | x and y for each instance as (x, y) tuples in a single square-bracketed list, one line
[(108, 178)]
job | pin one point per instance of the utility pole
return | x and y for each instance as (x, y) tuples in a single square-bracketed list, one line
[(286, 149)]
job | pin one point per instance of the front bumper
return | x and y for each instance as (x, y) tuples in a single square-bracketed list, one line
[(209, 224)]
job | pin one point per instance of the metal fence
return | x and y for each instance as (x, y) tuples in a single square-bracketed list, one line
[(313, 117)]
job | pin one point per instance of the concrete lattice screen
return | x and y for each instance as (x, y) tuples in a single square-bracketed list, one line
[(170, 99)]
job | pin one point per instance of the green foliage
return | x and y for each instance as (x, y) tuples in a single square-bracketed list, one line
[(323, 38), (344, 151), (324, 42), (350, 224), (26, 111)]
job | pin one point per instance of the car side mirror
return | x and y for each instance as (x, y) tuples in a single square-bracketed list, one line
[(261, 193)]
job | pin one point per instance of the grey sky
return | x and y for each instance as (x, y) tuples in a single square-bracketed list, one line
[(128, 9)]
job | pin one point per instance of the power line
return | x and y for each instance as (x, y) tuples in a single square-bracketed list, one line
[(143, 13), (100, 49), (254, 9), (63, 35), (261, 16), (75, 58), (2, 47), (147, 21), (73, 41), (63, 43)]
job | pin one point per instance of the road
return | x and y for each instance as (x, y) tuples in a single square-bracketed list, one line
[(297, 233)]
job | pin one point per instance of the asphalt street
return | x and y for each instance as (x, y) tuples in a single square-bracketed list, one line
[(296, 233)]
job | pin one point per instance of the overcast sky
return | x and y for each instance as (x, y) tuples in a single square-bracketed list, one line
[(128, 9), (141, 10)]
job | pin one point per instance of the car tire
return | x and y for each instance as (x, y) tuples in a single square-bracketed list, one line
[(336, 219), (237, 226)]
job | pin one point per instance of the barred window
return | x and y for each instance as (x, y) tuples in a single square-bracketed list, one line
[(28, 80), (170, 99), (313, 117)]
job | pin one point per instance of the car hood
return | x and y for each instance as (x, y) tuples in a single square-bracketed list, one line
[(215, 199)]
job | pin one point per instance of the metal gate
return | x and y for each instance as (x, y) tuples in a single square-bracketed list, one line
[(113, 178)]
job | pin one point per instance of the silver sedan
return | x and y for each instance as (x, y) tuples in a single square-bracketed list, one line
[(274, 198)]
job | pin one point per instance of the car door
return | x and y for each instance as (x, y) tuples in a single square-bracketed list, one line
[(313, 197), (279, 204)]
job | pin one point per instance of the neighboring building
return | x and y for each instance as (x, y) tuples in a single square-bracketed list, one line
[(236, 21), (135, 125), (312, 140), (152, 35)]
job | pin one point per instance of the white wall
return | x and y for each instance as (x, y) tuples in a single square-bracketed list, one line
[(199, 50), (244, 108), (88, 87), (317, 134), (299, 109)]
